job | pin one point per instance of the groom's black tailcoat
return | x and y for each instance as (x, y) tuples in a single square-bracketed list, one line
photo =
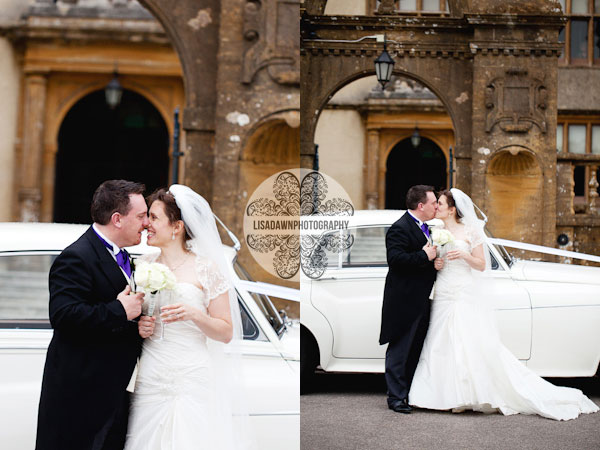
[(406, 305), (92, 353)]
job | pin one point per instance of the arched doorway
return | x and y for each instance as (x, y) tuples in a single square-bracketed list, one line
[(408, 165), (362, 122), (96, 143)]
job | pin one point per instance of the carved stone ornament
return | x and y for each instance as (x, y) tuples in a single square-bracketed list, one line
[(386, 7), (515, 102), (271, 32)]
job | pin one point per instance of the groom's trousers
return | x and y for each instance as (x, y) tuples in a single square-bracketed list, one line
[(115, 435), (402, 357)]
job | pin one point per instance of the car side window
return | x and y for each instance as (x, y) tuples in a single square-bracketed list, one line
[(494, 263), (368, 249), (24, 290), (251, 330), (324, 250)]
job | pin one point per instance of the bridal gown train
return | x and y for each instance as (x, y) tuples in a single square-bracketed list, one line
[(464, 365), (176, 405)]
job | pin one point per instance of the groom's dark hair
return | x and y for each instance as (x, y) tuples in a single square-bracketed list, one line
[(113, 196), (418, 194)]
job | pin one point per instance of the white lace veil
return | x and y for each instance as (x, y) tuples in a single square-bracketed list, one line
[(475, 226), (226, 358)]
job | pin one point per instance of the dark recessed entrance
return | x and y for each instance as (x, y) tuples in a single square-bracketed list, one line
[(96, 144), (407, 166)]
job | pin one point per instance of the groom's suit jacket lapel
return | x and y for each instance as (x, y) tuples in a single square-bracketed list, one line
[(414, 229), (106, 263)]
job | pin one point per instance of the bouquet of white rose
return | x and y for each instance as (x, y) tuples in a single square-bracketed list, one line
[(441, 237), (152, 278)]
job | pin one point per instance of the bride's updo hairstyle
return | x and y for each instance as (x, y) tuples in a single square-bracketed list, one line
[(451, 203), (171, 209)]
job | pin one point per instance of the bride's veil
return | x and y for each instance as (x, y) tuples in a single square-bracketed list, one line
[(474, 225), (226, 358)]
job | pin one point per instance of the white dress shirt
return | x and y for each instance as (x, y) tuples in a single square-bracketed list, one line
[(115, 248)]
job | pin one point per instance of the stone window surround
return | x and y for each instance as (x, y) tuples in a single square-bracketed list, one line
[(588, 161), (443, 9), (592, 16)]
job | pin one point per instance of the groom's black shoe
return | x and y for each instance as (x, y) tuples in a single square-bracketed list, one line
[(400, 406)]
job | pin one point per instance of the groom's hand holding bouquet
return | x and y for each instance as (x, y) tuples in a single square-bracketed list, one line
[(151, 277), (441, 237)]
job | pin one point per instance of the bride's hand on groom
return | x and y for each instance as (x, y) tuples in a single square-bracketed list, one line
[(438, 263)]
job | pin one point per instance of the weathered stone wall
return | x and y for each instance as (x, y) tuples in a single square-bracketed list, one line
[(494, 66), (514, 112), (243, 76)]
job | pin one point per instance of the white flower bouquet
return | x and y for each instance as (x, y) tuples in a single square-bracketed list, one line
[(152, 278), (441, 237)]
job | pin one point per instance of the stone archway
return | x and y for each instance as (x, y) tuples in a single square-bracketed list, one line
[(361, 123), (328, 66), (96, 143), (492, 64), (272, 147), (193, 28)]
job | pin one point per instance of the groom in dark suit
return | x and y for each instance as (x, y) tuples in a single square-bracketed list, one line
[(406, 305), (91, 357)]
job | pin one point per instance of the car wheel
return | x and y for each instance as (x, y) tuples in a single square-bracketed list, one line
[(309, 360)]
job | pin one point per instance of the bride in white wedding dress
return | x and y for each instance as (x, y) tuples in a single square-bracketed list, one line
[(463, 364), (186, 393)]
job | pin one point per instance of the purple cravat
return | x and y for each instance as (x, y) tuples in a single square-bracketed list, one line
[(423, 226), (425, 229), (122, 256), (123, 262)]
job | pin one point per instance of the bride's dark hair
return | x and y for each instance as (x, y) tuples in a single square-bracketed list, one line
[(450, 199), (171, 209)]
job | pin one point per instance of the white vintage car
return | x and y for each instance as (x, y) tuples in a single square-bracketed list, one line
[(548, 314), (271, 343)]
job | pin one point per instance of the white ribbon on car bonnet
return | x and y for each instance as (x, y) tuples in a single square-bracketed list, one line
[(546, 250), (270, 289)]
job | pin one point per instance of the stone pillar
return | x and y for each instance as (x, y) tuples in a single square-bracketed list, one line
[(199, 126), (30, 194), (593, 190), (565, 183), (372, 161)]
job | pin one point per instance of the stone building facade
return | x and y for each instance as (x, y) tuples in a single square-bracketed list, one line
[(505, 77), (232, 67)]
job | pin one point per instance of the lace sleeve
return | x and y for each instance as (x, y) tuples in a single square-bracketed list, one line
[(476, 236), (212, 280)]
